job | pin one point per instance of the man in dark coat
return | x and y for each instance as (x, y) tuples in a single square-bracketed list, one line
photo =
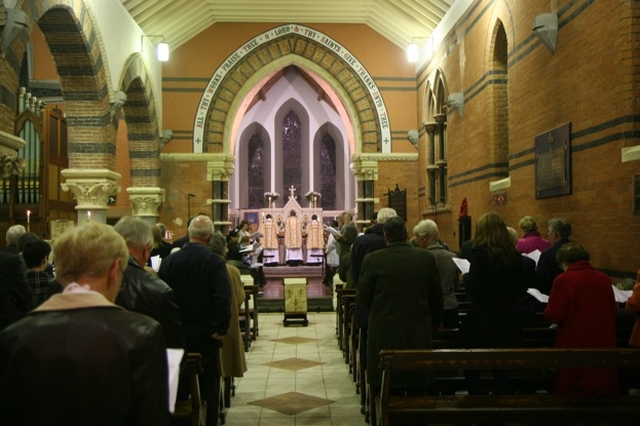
[(143, 292), (15, 293), (78, 358), (548, 268), (203, 292), (400, 285)]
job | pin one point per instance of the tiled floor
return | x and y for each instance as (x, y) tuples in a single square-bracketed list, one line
[(296, 376)]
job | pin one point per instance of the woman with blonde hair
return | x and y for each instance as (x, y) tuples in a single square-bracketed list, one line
[(531, 241), (494, 282)]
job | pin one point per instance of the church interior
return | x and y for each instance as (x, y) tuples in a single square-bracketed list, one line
[(267, 107)]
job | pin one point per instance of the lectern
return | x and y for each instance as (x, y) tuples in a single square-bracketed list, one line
[(295, 301)]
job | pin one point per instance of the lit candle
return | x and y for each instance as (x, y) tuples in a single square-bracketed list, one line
[(89, 214), (28, 216)]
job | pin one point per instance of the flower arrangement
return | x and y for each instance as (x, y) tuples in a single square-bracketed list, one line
[(271, 195), (312, 196)]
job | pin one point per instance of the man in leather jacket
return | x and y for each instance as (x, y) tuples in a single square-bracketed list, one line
[(143, 292), (79, 359)]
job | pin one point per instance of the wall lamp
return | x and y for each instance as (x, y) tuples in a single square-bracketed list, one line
[(413, 49), (162, 49)]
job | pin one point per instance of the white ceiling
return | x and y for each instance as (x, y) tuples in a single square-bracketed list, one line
[(180, 20)]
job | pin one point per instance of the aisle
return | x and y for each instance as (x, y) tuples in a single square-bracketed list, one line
[(296, 376)]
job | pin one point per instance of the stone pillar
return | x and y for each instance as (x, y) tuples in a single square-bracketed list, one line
[(146, 203), (91, 189), (218, 172), (365, 170)]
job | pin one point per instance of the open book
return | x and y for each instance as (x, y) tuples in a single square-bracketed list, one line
[(535, 255), (462, 264), (333, 231), (540, 297)]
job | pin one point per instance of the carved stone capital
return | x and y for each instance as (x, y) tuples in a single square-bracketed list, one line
[(364, 169), (10, 164), (430, 127), (220, 168), (146, 202), (91, 187)]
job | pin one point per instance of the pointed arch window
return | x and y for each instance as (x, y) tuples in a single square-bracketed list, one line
[(328, 171), (292, 150), (256, 171)]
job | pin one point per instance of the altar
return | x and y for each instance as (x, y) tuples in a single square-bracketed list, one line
[(292, 235)]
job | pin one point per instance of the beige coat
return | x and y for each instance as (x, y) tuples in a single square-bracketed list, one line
[(232, 353)]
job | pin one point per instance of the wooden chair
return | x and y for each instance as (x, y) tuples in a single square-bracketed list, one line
[(192, 411)]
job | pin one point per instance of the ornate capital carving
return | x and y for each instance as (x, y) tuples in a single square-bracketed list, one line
[(10, 165), (91, 187), (364, 169), (146, 202), (220, 168)]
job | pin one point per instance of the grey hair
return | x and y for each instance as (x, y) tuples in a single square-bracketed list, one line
[(560, 227), (385, 213), (13, 233), (201, 227), (429, 228), (218, 243), (136, 232)]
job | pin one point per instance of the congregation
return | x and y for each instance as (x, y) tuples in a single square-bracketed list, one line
[(95, 315)]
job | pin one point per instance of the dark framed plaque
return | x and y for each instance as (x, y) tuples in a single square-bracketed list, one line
[(553, 162), (398, 201), (636, 195)]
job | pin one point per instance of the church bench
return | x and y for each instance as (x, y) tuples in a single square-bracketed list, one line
[(537, 407)]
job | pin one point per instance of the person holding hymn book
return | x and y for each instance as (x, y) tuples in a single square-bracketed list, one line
[(582, 304)]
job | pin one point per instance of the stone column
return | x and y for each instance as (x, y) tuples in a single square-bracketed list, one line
[(365, 169), (91, 189), (218, 172), (146, 203)]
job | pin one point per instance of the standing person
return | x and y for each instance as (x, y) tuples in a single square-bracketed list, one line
[(401, 287), (78, 358), (347, 235), (15, 293), (331, 256), (428, 237), (13, 234), (200, 281), (160, 246), (494, 282), (36, 257), (315, 242), (583, 305), (143, 292), (548, 269), (232, 357), (293, 240), (531, 240), (270, 244), (633, 307)]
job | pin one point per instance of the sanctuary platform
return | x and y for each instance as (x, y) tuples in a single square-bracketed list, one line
[(319, 296)]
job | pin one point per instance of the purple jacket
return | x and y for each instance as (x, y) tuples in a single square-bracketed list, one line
[(532, 241)]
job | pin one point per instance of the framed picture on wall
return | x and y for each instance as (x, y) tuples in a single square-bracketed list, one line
[(253, 217), (636, 195), (553, 162)]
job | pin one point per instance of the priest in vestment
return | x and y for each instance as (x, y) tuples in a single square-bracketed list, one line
[(315, 242), (293, 240), (271, 254)]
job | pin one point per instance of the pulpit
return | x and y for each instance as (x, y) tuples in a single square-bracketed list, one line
[(295, 301)]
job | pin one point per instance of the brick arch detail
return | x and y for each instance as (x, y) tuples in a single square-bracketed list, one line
[(331, 61), (142, 123), (77, 47)]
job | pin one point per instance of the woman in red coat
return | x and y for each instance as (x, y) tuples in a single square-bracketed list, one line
[(582, 304)]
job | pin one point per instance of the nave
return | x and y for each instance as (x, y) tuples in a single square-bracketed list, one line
[(296, 376)]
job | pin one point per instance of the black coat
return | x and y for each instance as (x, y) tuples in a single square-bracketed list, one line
[(15, 293), (147, 294), (203, 291), (74, 364)]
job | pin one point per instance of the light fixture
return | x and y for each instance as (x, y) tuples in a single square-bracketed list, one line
[(413, 49), (162, 49)]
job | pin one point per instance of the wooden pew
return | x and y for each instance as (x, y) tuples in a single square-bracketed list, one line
[(192, 411), (537, 407)]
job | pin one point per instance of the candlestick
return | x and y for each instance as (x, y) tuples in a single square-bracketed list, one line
[(28, 220), (88, 214)]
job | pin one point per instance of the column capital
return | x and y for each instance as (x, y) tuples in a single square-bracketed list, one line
[(146, 201), (364, 169), (220, 168), (91, 187), (10, 163), (430, 127)]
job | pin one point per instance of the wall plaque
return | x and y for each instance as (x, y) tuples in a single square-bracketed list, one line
[(553, 162)]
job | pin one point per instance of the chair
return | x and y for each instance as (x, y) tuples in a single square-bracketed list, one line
[(192, 411)]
